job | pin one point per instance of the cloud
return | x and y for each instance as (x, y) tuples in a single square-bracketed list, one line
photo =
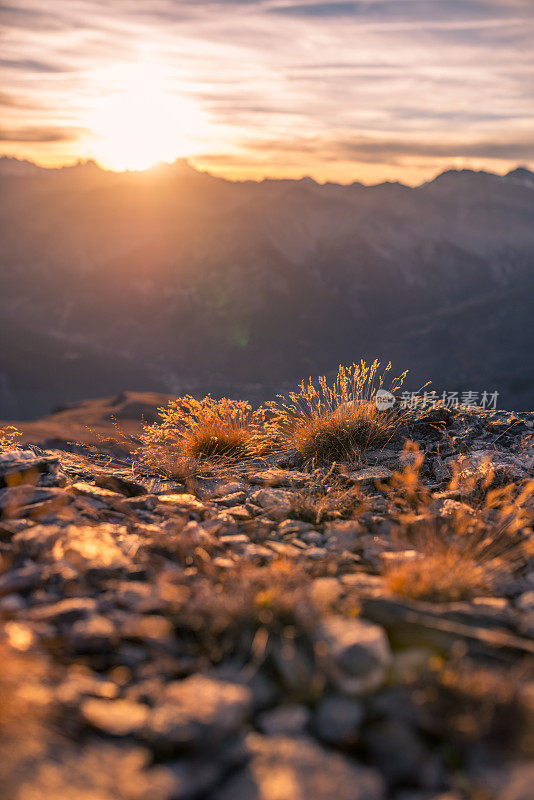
[(393, 150), (315, 10), (30, 17), (10, 101), (43, 135), (366, 81), (402, 10), (28, 65)]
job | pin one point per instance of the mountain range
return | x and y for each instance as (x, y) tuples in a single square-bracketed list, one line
[(173, 280)]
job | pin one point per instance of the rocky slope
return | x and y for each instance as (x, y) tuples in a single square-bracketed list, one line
[(173, 281), (239, 636)]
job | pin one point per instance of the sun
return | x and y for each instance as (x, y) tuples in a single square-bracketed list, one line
[(141, 119)]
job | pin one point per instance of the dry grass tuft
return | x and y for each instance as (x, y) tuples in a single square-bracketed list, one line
[(195, 434), (447, 574), (327, 423), (9, 438), (464, 702), (223, 613), (328, 498), (465, 552)]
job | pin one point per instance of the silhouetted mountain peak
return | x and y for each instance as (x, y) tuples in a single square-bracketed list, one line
[(9, 165), (465, 176), (522, 175)]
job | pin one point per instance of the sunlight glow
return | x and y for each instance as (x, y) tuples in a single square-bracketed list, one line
[(140, 121)]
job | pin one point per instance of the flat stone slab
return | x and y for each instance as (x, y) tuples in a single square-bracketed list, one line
[(368, 476)]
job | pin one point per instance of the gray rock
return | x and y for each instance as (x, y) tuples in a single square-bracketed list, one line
[(23, 466), (101, 547), (284, 720), (367, 477), (137, 597), (526, 624), (36, 541), (181, 503), (398, 557), (511, 782), (198, 711), (235, 541), (373, 457), (230, 500), (228, 488), (441, 470), (92, 635), (277, 502), (525, 601), (354, 653), (27, 500), (63, 612), (294, 668), (294, 526), (240, 513), (119, 484), (11, 604), (400, 755), (115, 717), (507, 467), (98, 771), (317, 553), (282, 549), (20, 580), (343, 535), (142, 502), (312, 537), (279, 478), (293, 769), (195, 775), (337, 720)]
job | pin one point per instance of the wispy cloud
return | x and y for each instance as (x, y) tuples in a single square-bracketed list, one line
[(287, 86), (39, 135)]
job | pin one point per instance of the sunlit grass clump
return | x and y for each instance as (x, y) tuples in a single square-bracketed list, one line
[(466, 550), (195, 432), (9, 438), (336, 422), (446, 573)]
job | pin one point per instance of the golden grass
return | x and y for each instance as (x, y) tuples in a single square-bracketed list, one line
[(337, 422), (195, 433), (467, 702), (468, 551), (9, 438), (323, 423), (327, 498), (443, 575)]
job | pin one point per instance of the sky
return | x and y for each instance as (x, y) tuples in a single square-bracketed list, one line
[(367, 90)]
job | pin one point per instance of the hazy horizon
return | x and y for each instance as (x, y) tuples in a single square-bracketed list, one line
[(190, 162)]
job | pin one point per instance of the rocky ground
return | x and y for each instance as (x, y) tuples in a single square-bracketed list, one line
[(239, 636)]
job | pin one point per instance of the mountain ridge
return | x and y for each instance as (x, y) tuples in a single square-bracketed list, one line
[(173, 280), (13, 165)]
